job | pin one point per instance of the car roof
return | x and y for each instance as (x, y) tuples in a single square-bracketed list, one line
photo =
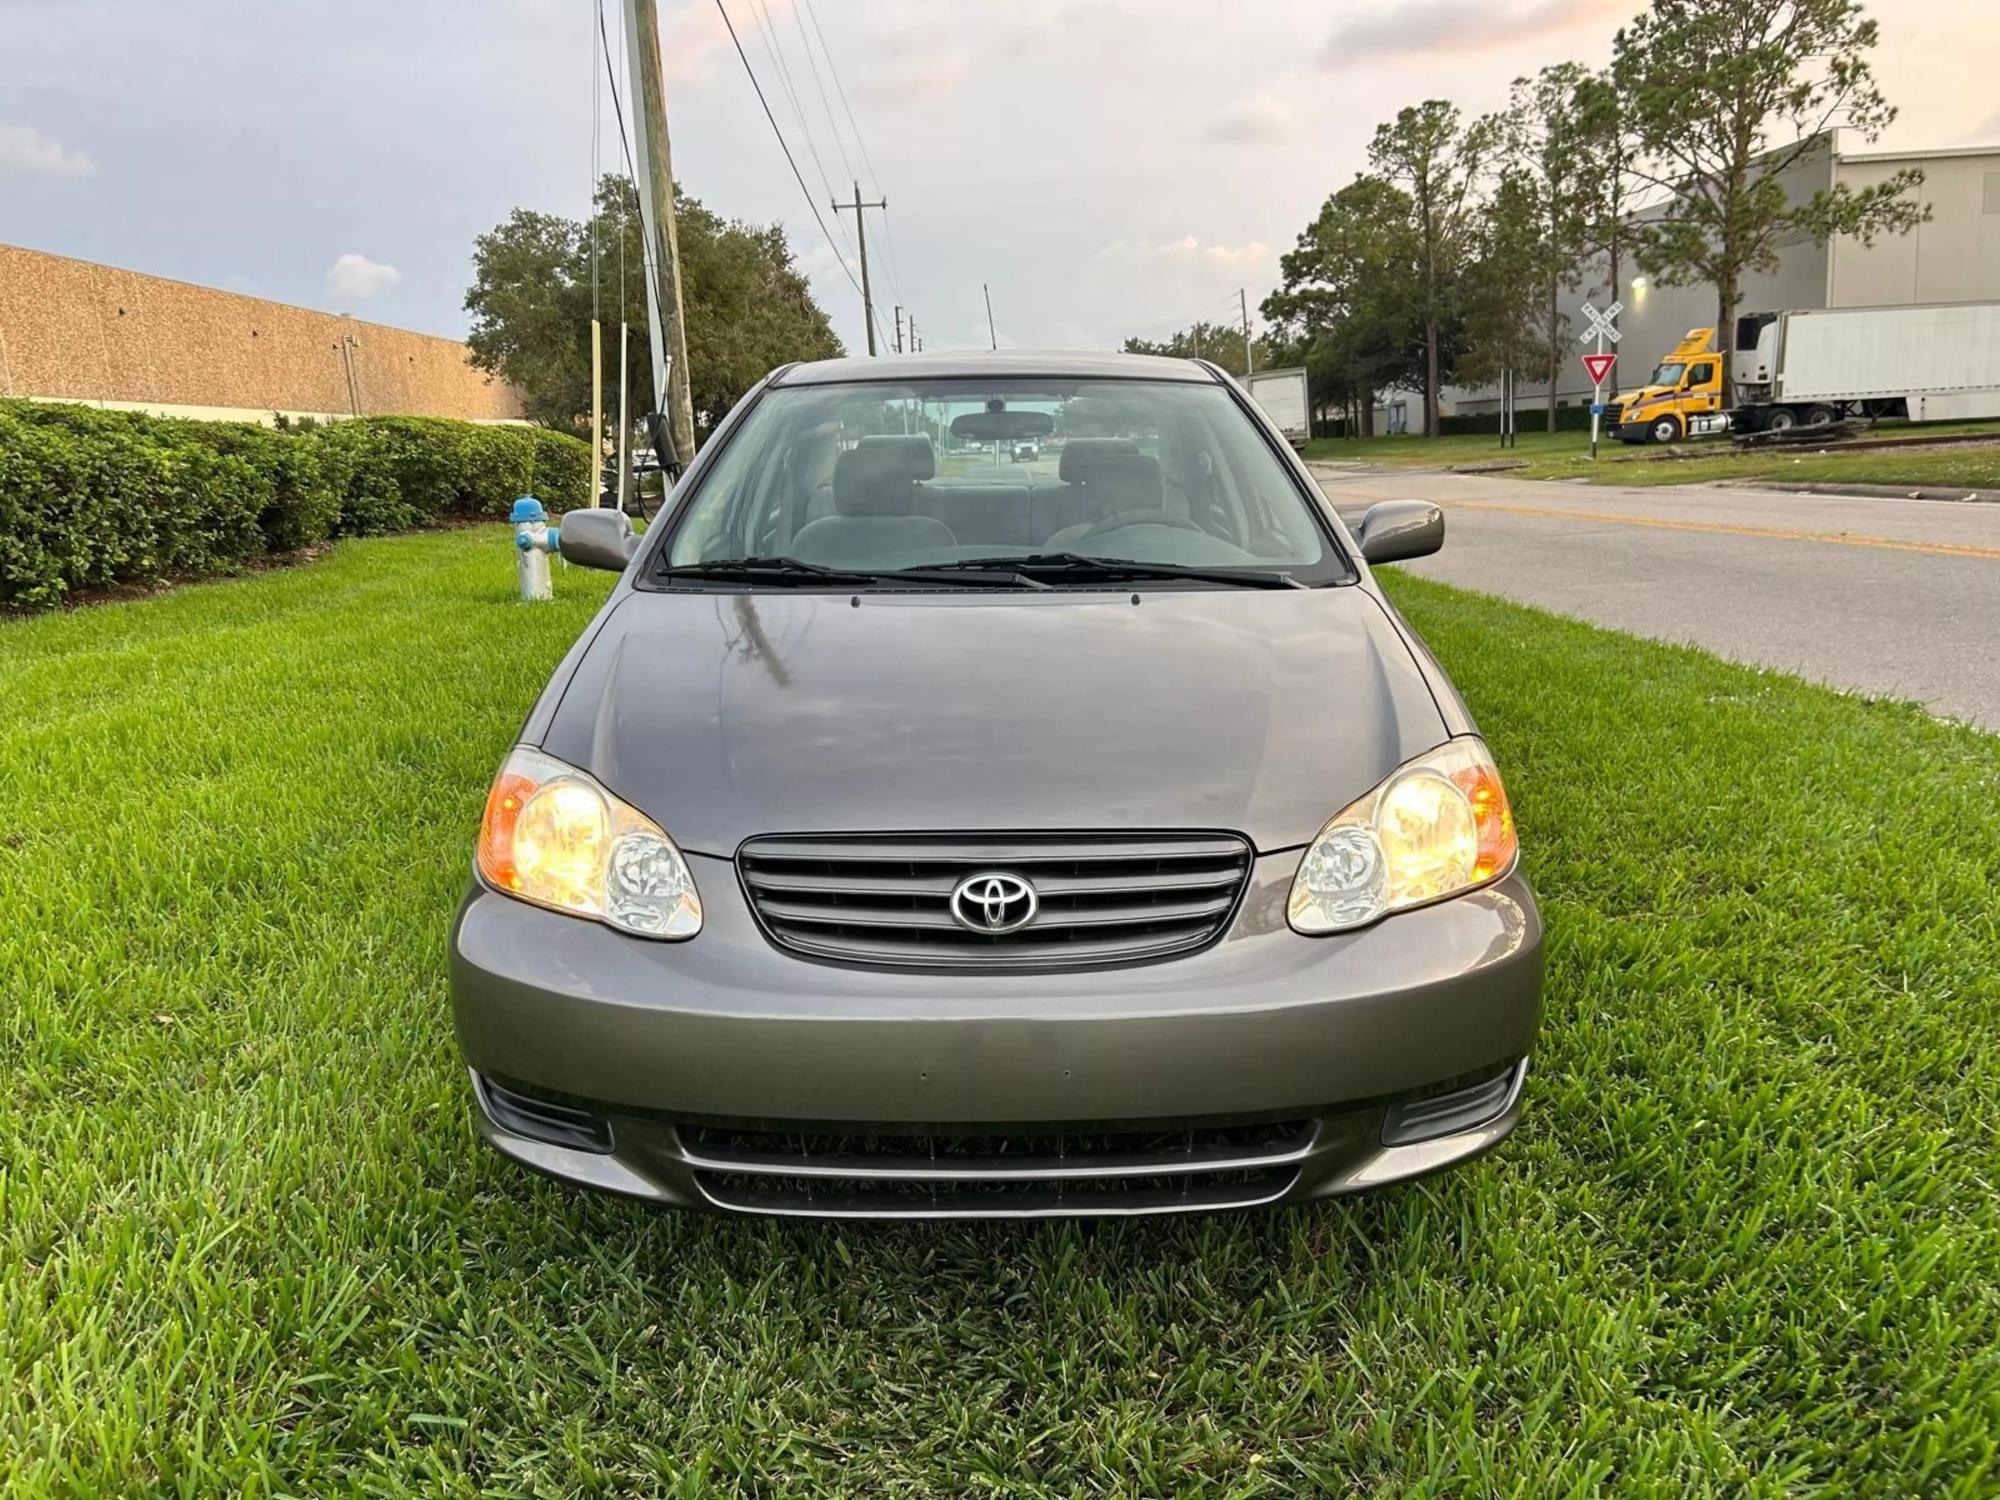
[(1007, 363)]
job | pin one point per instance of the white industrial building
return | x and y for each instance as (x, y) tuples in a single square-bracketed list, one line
[(1953, 257)]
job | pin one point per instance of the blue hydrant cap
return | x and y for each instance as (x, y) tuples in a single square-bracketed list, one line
[(528, 508)]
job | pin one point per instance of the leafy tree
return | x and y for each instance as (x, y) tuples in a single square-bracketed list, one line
[(1605, 182), (748, 307), (1509, 325), (1439, 163), (1348, 304), (1725, 97), (524, 302), (1219, 343), (1548, 132)]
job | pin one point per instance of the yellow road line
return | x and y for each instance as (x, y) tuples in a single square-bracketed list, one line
[(1773, 533)]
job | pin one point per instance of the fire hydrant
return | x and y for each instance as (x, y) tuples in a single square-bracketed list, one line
[(534, 539)]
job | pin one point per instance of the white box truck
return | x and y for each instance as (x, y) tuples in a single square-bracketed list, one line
[(1938, 362), (1282, 394)]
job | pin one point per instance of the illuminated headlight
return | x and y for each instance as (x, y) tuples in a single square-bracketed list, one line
[(553, 836), (1438, 827)]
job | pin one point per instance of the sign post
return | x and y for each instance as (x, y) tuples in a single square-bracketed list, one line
[(1599, 364)]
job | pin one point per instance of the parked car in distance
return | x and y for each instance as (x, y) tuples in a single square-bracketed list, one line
[(1097, 842)]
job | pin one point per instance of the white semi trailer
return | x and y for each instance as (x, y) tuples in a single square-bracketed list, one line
[(1282, 394), (1939, 362)]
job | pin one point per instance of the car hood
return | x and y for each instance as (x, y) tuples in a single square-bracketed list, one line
[(1645, 393), (727, 715)]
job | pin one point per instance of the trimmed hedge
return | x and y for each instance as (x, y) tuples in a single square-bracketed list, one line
[(92, 498), (1526, 419)]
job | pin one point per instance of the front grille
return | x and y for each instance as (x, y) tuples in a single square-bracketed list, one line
[(1170, 1168), (885, 900)]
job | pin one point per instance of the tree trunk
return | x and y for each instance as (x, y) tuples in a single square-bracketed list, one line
[(1430, 376), (1555, 344), (1727, 296)]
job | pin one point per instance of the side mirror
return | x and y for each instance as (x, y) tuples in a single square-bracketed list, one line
[(598, 539), (1397, 529)]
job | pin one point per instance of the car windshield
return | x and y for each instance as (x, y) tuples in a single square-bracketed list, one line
[(1668, 374), (1015, 483)]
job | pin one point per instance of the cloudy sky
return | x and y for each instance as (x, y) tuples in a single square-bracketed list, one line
[(1109, 166)]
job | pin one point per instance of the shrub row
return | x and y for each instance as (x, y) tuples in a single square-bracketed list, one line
[(1526, 419), (91, 498)]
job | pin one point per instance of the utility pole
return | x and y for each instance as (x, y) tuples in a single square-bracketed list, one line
[(992, 338), (899, 327), (916, 344), (1249, 353), (655, 166), (861, 238)]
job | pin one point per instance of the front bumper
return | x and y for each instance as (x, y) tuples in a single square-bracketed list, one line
[(1337, 1035)]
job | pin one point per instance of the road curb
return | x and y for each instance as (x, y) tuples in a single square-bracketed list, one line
[(1865, 491)]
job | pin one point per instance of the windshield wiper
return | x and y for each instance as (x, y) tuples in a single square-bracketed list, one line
[(783, 570), (1077, 567)]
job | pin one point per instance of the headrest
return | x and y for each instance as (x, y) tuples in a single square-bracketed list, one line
[(913, 449), (1130, 481), (875, 478), (1081, 455)]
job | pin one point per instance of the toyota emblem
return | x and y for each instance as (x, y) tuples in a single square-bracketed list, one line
[(994, 902)]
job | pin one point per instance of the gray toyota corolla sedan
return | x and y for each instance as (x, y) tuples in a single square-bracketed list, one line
[(997, 787)]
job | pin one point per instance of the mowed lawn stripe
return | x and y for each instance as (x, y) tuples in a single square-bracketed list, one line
[(1746, 1241)]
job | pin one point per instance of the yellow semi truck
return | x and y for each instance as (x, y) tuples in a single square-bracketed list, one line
[(1681, 398), (1925, 362)]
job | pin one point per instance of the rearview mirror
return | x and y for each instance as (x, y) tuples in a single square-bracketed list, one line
[(1399, 529), (1002, 426), (598, 539)]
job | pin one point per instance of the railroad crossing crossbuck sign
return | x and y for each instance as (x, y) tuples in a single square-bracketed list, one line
[(1601, 326), (1600, 363)]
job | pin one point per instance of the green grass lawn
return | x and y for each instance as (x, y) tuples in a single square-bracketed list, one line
[(1566, 455), (1966, 466), (1746, 1241), (1402, 451)]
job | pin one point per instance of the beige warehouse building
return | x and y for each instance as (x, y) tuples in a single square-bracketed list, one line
[(1954, 257), (71, 330)]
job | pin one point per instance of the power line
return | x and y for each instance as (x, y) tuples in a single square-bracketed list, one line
[(797, 176), (841, 89), (774, 50), (1186, 320), (805, 45), (860, 142), (840, 145)]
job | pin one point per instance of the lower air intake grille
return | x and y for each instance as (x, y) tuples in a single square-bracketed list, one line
[(1098, 899), (1065, 1170), (899, 1198)]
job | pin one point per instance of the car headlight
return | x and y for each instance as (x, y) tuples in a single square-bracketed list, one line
[(1438, 827), (553, 836)]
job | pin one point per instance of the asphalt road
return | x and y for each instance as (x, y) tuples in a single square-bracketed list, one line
[(1892, 598)]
